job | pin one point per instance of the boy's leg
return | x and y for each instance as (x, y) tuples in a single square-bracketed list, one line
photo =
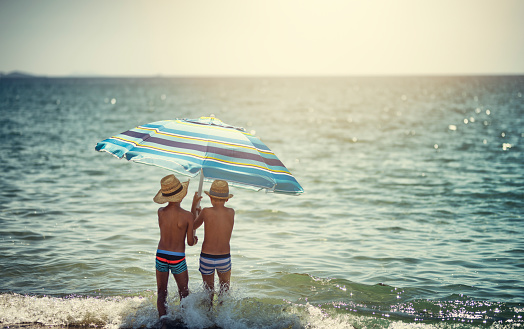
[(182, 281), (224, 279), (209, 284), (161, 284)]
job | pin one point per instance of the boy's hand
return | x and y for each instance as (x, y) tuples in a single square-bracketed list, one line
[(196, 198)]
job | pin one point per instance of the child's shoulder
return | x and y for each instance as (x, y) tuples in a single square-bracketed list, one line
[(187, 213), (226, 210), (206, 209)]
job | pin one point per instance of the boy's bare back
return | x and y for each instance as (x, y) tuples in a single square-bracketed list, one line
[(218, 227), (175, 223)]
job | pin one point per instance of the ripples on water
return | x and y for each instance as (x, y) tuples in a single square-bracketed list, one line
[(412, 211)]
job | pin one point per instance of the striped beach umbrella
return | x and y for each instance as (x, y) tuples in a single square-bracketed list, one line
[(204, 146)]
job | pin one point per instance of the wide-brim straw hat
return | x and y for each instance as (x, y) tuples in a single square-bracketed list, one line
[(219, 190), (171, 190)]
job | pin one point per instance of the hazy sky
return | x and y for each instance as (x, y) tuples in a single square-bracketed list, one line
[(265, 37)]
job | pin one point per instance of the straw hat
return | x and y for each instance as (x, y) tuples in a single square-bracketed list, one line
[(171, 190), (219, 190)]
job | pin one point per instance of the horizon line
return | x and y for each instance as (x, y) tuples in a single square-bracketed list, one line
[(22, 74)]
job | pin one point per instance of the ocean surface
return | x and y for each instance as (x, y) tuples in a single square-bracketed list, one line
[(412, 215)]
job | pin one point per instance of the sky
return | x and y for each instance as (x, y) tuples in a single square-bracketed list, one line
[(262, 38)]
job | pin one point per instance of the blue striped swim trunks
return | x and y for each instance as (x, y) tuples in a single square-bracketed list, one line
[(208, 263), (171, 260)]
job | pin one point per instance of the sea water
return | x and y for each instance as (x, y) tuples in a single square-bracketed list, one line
[(411, 216)]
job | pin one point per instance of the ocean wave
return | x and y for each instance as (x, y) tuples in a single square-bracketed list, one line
[(239, 311)]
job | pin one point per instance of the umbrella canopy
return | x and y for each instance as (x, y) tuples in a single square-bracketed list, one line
[(207, 146)]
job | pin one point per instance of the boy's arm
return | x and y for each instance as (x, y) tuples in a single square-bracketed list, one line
[(191, 238), (159, 211), (195, 209), (200, 219)]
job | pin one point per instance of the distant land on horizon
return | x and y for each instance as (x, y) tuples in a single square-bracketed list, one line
[(16, 74)]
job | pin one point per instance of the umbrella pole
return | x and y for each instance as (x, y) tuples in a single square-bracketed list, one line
[(200, 184), (199, 193)]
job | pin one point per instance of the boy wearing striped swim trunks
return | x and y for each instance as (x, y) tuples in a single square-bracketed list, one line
[(175, 224), (218, 223)]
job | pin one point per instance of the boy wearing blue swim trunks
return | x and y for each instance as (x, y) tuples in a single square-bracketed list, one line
[(175, 224), (218, 223)]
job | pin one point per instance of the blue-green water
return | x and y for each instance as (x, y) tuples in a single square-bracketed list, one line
[(412, 215)]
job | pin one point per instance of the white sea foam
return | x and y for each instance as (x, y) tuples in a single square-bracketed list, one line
[(109, 312), (193, 312)]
